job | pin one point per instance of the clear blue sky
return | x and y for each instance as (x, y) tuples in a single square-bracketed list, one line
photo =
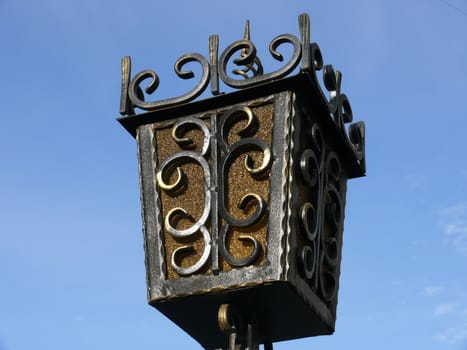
[(71, 251)]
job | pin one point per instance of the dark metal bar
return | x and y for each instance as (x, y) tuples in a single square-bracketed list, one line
[(215, 196)]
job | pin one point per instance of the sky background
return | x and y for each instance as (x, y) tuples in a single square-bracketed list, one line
[(71, 251)]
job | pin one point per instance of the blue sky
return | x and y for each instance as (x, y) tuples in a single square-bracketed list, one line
[(71, 257)]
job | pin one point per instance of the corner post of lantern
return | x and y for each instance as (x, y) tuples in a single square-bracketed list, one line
[(243, 193)]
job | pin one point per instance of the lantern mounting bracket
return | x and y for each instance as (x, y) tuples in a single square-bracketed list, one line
[(243, 331)]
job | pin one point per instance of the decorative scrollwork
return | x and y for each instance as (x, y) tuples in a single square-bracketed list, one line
[(231, 152), (248, 200), (135, 92), (333, 217), (249, 56), (223, 141), (307, 260), (309, 167), (309, 213), (251, 62), (174, 163), (238, 262), (231, 137), (250, 144), (246, 144), (333, 169), (251, 73), (232, 117), (184, 271), (327, 280), (321, 216), (181, 127), (338, 103), (309, 221)]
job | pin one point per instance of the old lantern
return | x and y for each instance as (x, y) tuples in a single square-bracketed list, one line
[(243, 193)]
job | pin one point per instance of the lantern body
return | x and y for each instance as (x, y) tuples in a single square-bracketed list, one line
[(243, 199)]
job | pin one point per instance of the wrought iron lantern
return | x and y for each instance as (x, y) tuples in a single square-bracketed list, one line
[(243, 193)]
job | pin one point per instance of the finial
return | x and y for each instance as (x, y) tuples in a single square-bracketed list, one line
[(255, 65), (246, 35)]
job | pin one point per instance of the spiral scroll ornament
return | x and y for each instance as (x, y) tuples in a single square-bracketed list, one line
[(230, 152), (174, 164), (321, 216)]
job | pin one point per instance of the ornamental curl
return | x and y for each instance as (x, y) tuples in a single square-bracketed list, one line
[(135, 92)]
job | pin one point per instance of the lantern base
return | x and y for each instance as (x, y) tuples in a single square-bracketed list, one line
[(277, 310)]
